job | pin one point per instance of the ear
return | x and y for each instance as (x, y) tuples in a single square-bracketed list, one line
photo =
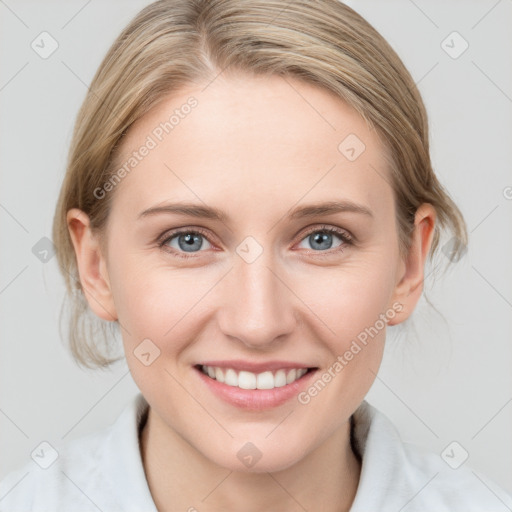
[(92, 266), (409, 287)]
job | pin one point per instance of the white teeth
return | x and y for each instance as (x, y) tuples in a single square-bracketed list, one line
[(280, 379), (247, 380), (219, 375), (265, 380), (291, 376), (231, 378), (250, 380)]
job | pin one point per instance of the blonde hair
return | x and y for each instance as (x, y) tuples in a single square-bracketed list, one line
[(174, 43)]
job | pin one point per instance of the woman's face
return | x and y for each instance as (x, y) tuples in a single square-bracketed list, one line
[(272, 285)]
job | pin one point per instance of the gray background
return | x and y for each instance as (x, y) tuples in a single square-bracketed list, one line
[(451, 381)]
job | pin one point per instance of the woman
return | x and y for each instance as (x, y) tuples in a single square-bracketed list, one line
[(250, 199)]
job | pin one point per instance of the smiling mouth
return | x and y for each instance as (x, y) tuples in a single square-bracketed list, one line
[(249, 380)]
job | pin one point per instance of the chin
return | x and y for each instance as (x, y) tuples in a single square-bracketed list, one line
[(258, 457)]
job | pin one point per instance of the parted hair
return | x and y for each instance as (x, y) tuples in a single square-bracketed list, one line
[(175, 43)]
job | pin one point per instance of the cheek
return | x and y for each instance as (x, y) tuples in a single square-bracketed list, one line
[(350, 298), (152, 301), (350, 306), (155, 308), (170, 307)]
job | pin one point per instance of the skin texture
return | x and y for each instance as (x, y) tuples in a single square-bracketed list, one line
[(254, 148)]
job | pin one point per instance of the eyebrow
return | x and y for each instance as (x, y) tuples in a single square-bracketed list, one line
[(301, 212)]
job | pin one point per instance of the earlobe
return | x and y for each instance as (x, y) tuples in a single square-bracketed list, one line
[(409, 288), (91, 264)]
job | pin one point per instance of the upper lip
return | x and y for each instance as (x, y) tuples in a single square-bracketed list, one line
[(251, 366)]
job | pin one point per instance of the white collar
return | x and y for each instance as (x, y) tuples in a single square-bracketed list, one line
[(104, 470), (395, 476)]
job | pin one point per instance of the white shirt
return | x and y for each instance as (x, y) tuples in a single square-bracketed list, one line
[(103, 471)]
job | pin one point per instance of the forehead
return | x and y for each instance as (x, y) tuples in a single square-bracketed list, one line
[(265, 140)]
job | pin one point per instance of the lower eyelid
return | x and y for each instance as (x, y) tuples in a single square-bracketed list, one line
[(333, 251), (343, 236)]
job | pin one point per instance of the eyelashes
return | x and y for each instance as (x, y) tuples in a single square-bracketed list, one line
[(169, 236), (341, 233)]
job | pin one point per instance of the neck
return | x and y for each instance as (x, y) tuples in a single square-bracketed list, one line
[(181, 478)]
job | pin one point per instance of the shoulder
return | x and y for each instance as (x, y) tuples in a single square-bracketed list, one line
[(397, 475), (51, 479), (102, 470), (447, 481), (54, 477)]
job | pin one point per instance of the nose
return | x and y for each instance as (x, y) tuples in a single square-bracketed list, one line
[(256, 305)]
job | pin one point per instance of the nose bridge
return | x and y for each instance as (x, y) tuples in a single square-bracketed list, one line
[(257, 306)]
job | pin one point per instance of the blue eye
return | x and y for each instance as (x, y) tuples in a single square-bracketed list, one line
[(188, 241), (321, 238), (183, 243)]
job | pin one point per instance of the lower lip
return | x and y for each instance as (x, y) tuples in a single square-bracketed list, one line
[(256, 399)]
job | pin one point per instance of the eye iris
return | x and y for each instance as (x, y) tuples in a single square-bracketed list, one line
[(189, 241), (320, 237), (192, 241)]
